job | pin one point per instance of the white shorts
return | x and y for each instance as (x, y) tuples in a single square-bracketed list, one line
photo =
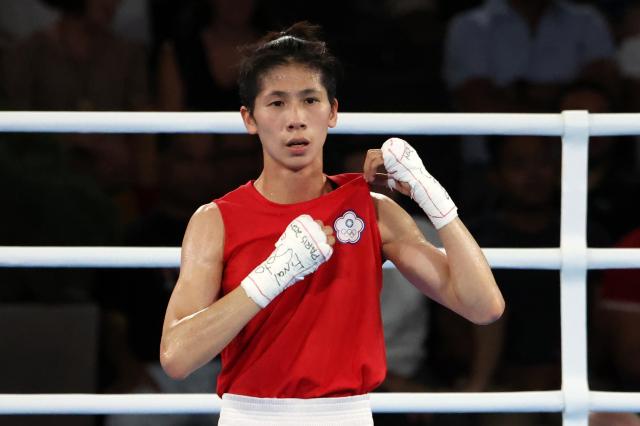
[(238, 410)]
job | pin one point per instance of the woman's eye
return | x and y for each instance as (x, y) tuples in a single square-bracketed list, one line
[(276, 103), (311, 100)]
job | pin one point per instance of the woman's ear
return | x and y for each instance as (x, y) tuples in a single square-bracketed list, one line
[(249, 121), (333, 117)]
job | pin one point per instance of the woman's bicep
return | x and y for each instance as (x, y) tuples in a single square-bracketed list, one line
[(406, 247), (201, 265)]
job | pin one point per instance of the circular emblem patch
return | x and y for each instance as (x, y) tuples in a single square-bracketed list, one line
[(348, 227)]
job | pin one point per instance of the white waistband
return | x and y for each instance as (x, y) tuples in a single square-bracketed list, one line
[(246, 410)]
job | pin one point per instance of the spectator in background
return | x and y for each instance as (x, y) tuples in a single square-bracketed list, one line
[(618, 310), (45, 201), (613, 9), (78, 63), (199, 68), (45, 205), (521, 351), (20, 18), (515, 56), (506, 52), (385, 41), (619, 303), (137, 299), (628, 58), (611, 164), (628, 54), (132, 22)]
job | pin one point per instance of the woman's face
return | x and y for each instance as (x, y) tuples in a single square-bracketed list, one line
[(291, 115)]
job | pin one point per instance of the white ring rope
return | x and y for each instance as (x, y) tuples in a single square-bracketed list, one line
[(573, 258), (485, 402), (169, 257), (348, 123)]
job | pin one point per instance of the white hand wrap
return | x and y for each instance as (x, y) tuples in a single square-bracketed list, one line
[(300, 250), (404, 165)]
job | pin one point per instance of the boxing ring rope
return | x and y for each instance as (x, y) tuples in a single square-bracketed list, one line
[(169, 257), (348, 123), (573, 258)]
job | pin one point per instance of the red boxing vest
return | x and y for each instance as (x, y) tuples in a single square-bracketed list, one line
[(322, 337)]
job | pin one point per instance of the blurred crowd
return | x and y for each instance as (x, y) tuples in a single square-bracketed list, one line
[(398, 56)]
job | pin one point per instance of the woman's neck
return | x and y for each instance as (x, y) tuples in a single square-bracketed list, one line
[(289, 187)]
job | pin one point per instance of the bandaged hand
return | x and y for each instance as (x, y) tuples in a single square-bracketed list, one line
[(404, 166), (301, 249)]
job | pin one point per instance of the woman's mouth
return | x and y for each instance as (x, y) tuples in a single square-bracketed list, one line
[(297, 146)]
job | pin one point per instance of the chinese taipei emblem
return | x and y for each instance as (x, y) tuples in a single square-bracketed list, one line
[(348, 227)]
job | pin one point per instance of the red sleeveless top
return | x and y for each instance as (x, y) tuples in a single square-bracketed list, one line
[(322, 337)]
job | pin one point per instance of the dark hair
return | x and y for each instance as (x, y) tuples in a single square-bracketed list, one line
[(298, 44)]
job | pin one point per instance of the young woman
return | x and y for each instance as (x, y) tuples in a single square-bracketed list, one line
[(299, 327)]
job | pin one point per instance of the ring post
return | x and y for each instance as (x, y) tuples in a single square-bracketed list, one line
[(573, 271)]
